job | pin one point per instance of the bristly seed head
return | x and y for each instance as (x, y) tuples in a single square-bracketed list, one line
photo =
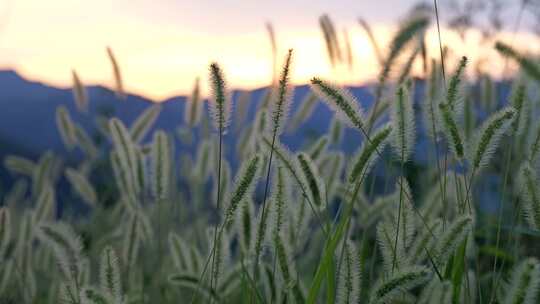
[(283, 98), (489, 135), (219, 104), (341, 101)]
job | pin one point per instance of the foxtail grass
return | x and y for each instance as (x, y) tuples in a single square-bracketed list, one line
[(278, 114), (119, 84)]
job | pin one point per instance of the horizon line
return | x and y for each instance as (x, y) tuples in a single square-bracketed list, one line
[(365, 84)]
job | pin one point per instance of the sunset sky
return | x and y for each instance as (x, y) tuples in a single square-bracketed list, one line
[(163, 45)]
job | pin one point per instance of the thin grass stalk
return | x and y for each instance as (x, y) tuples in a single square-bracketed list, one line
[(402, 160), (509, 150), (440, 40), (218, 202), (440, 173), (219, 92), (220, 121), (364, 174), (515, 220), (120, 93), (443, 71), (79, 93), (448, 110), (272, 37), (278, 113), (279, 204), (235, 200)]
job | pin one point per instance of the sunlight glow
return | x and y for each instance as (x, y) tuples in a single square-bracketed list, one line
[(161, 60)]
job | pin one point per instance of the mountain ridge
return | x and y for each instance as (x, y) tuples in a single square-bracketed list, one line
[(29, 121)]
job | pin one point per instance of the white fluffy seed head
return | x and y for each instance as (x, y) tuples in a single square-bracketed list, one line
[(348, 290), (386, 235), (401, 281), (531, 196), (161, 161), (42, 175), (144, 122), (109, 274), (340, 101), (369, 153), (119, 84), (521, 105), (285, 263), (132, 239), (313, 180), (66, 246), (66, 127), (243, 186), (524, 283), (126, 151), (82, 186), (454, 235), (79, 93), (282, 98), (220, 105), (487, 139), (45, 209), (403, 125), (246, 225), (19, 165), (453, 132), (5, 229), (86, 143), (194, 106)]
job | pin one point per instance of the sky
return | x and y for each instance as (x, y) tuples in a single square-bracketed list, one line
[(163, 45)]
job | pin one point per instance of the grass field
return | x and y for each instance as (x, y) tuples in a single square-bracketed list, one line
[(315, 225)]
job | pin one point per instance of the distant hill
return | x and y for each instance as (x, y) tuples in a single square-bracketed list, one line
[(28, 126), (27, 118)]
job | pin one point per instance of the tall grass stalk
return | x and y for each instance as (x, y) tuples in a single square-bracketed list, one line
[(280, 111), (273, 44), (220, 108), (402, 117), (119, 84), (443, 73), (518, 102)]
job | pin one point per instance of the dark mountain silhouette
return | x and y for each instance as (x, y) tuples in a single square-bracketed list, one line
[(27, 118)]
